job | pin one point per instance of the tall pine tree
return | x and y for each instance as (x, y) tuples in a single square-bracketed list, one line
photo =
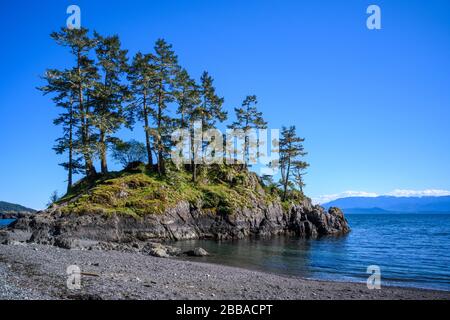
[(141, 75), (84, 77), (165, 64), (291, 150), (211, 108), (208, 112), (187, 96), (248, 118), (298, 171), (109, 93), (60, 83)]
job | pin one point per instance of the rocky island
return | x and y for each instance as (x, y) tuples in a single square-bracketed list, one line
[(136, 205)]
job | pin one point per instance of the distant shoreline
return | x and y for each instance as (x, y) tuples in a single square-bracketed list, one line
[(34, 271), (396, 212)]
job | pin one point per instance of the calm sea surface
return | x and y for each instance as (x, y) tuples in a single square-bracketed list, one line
[(5, 222), (411, 250)]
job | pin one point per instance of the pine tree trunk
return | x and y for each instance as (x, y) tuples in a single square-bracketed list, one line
[(70, 168), (246, 151), (193, 165), (246, 142), (194, 173), (286, 180), (103, 160), (90, 170), (159, 138), (147, 135)]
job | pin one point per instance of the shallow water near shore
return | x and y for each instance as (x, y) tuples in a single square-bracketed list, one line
[(412, 250)]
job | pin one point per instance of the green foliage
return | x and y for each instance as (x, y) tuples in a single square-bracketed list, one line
[(291, 151), (71, 89), (140, 76), (109, 93), (61, 83), (54, 197), (165, 64), (211, 108), (298, 171), (128, 152), (222, 190), (248, 118), (136, 194), (187, 96)]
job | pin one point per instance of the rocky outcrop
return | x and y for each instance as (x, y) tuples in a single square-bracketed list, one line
[(160, 250), (183, 221), (197, 252)]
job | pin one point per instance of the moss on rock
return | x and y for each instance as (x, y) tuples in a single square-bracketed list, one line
[(222, 189)]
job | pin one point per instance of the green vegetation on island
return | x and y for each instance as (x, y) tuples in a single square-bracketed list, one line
[(138, 191)]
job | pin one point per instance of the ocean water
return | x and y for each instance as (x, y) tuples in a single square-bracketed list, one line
[(412, 250), (5, 222)]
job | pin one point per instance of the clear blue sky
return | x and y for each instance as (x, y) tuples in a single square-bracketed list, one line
[(374, 106)]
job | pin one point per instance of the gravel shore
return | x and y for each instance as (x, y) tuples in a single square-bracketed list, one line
[(31, 271)]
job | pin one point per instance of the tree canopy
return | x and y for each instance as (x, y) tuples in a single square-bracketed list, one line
[(104, 91)]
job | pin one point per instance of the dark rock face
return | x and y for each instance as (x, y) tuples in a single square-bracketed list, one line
[(183, 222)]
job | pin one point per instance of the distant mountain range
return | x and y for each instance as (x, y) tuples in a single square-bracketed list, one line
[(386, 204), (8, 208)]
